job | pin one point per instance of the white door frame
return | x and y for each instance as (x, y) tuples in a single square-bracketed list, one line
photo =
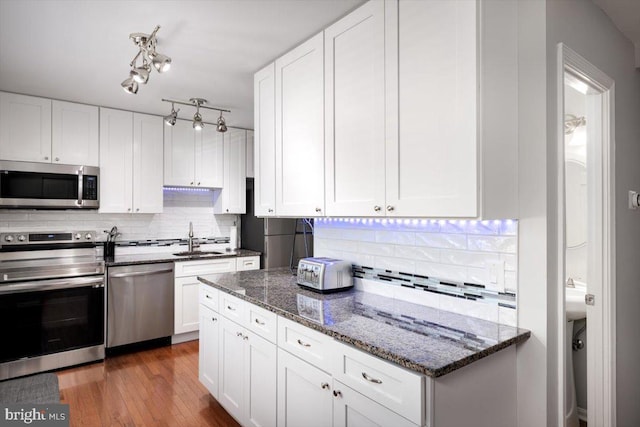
[(601, 330)]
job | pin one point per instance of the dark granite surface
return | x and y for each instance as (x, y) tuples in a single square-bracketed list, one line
[(426, 340), (153, 258)]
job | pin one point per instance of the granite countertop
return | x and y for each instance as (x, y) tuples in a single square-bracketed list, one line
[(423, 339), (153, 258)]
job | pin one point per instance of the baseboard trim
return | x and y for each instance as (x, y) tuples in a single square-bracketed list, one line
[(187, 336), (582, 414)]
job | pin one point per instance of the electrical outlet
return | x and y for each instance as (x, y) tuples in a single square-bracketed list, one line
[(496, 275), (634, 200)]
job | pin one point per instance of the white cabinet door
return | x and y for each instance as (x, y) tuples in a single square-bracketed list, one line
[(431, 159), (355, 113), (179, 149), (231, 368), (209, 158), (300, 130), (147, 163), (304, 393), (259, 382), (351, 409), (25, 128), (250, 149), (75, 134), (264, 92), (209, 352), (116, 161), (186, 304), (233, 197)]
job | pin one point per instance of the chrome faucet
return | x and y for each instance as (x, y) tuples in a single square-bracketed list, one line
[(190, 236)]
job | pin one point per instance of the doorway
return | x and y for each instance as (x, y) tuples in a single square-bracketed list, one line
[(586, 281)]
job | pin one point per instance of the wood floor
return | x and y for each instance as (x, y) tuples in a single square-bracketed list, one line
[(157, 387)]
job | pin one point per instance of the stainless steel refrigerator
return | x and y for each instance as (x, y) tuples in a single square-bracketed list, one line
[(274, 237)]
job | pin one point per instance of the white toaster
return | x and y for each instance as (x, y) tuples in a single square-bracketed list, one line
[(324, 274)]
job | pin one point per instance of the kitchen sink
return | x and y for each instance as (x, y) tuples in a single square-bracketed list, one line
[(198, 253)]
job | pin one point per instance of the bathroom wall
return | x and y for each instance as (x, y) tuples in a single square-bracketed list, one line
[(457, 254), (180, 207)]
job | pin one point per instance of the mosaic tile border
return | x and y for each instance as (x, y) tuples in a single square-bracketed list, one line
[(466, 291)]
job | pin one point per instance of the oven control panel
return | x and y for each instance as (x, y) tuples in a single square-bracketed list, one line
[(39, 238)]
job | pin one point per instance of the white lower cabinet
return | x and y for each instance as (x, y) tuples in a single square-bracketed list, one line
[(247, 375), (352, 409), (209, 346), (187, 287), (304, 393)]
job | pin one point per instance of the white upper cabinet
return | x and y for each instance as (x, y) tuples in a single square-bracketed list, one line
[(147, 163), (209, 160), (179, 153), (41, 130), (432, 148), (25, 128), (75, 134), (192, 158), (264, 91), (300, 130), (250, 172), (355, 113), (130, 162), (232, 198)]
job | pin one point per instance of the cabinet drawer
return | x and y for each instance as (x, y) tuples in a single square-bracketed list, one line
[(309, 345), (396, 388), (262, 322), (194, 268), (209, 297), (233, 308), (248, 263)]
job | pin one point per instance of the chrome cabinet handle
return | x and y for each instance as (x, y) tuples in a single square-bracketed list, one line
[(46, 157), (245, 337), (198, 182), (239, 334), (377, 208), (137, 209), (269, 210), (304, 344), (191, 183), (371, 379), (230, 308), (260, 323), (318, 210), (324, 386), (337, 393), (389, 208), (57, 159), (214, 319), (208, 296)]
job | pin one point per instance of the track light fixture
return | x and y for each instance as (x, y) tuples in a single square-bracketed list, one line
[(147, 51), (172, 117), (198, 123)]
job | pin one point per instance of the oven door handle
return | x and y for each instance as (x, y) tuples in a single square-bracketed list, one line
[(139, 273), (49, 285)]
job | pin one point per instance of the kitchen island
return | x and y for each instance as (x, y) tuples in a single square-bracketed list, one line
[(417, 362)]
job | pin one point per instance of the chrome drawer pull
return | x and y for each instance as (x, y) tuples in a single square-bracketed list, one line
[(337, 393), (325, 386), (260, 323), (371, 379), (238, 334), (245, 337), (208, 296), (304, 344), (214, 319), (230, 308)]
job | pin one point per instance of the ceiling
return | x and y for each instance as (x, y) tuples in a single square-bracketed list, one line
[(625, 14), (80, 51)]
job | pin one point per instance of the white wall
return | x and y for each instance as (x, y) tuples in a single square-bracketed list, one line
[(179, 209), (583, 27)]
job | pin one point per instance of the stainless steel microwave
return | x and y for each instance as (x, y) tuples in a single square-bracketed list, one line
[(48, 186)]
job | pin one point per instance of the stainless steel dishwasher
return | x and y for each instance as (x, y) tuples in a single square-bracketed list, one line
[(139, 303)]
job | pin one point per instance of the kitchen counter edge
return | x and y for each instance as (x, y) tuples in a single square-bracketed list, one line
[(157, 258)]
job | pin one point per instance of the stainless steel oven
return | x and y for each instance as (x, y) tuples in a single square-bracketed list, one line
[(48, 186), (52, 301)]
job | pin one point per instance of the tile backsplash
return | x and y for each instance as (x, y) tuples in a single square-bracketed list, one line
[(460, 251), (180, 207)]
